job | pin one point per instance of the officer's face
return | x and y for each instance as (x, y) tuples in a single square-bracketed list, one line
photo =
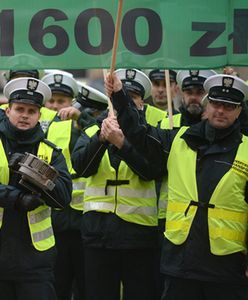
[(58, 101), (23, 116), (159, 94), (222, 115), (192, 100)]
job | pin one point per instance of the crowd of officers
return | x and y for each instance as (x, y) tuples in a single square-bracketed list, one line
[(139, 210)]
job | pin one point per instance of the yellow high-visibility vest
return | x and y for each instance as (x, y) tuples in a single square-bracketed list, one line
[(153, 115), (163, 197), (46, 117), (60, 134), (165, 123), (39, 219), (227, 208), (133, 200)]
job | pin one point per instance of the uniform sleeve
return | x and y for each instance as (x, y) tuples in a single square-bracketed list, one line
[(87, 155), (138, 163), (63, 184), (153, 143)]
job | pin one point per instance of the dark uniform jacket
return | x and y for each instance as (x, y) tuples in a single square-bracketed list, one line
[(19, 260), (216, 150), (107, 229)]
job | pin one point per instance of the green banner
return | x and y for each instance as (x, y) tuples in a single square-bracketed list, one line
[(79, 34)]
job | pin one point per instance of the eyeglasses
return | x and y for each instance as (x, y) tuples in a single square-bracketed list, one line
[(227, 106)]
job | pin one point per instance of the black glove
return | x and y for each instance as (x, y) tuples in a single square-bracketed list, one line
[(14, 161), (27, 202)]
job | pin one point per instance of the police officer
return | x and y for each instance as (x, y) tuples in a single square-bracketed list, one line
[(27, 251), (69, 269), (64, 89), (159, 93), (86, 107), (153, 116), (67, 222), (191, 84), (46, 115), (139, 86), (204, 254), (120, 206), (191, 112)]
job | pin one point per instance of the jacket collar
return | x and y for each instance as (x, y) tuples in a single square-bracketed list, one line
[(220, 140), (21, 137)]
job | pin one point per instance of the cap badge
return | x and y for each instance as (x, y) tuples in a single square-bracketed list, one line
[(85, 92), (194, 73), (130, 74), (32, 84), (228, 82), (58, 78)]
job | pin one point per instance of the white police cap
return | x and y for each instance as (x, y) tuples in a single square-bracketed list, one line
[(226, 88), (27, 90), (61, 82), (91, 97), (135, 81), (188, 79)]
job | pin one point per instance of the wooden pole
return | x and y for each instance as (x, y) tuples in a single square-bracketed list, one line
[(169, 100), (115, 47), (116, 36)]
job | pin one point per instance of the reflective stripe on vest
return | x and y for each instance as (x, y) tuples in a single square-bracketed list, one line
[(77, 200), (39, 220), (121, 208), (42, 235), (146, 211), (78, 185), (125, 192), (134, 202), (99, 206), (36, 217), (227, 209)]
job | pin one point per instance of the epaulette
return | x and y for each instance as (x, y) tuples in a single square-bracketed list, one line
[(52, 145)]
